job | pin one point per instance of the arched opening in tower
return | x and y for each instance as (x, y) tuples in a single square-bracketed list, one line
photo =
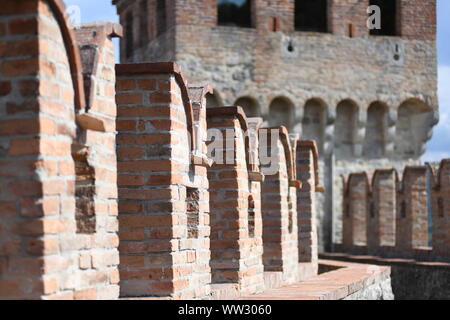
[(388, 17), (129, 38), (143, 23), (161, 17), (345, 129), (213, 100), (234, 13), (414, 122), (281, 113), (314, 121), (375, 138), (311, 15), (250, 106)]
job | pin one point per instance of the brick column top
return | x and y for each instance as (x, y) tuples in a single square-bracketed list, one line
[(311, 145), (348, 181), (436, 178), (288, 151), (73, 53), (158, 68)]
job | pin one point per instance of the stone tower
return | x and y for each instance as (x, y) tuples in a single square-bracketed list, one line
[(368, 97)]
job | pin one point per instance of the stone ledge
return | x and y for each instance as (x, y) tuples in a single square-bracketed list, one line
[(348, 279), (384, 261)]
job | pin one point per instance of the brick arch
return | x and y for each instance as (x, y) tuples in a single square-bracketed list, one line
[(413, 113), (240, 114), (165, 67), (282, 102), (249, 103), (73, 54), (288, 153), (349, 178)]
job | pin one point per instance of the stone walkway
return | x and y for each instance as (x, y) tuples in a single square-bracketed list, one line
[(346, 281)]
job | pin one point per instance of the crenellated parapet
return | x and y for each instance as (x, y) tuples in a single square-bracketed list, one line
[(392, 217)]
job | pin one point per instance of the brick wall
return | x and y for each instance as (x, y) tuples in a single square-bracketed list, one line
[(412, 211), (279, 207), (236, 224), (405, 219), (307, 173), (381, 214), (356, 201), (440, 207), (163, 198), (54, 244), (399, 67)]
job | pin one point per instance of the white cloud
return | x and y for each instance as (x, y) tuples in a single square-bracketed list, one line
[(439, 146)]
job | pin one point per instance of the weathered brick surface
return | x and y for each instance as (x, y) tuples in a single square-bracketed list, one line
[(307, 173), (163, 199), (279, 206), (412, 211), (236, 224), (356, 200), (43, 254), (405, 219), (261, 63), (440, 195), (381, 214)]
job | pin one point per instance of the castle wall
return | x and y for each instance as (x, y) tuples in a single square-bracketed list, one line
[(405, 218), (54, 244), (307, 172), (163, 199), (279, 203), (236, 223), (344, 64)]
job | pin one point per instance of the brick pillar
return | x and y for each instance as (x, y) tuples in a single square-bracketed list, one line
[(279, 204), (57, 202), (412, 212), (440, 196), (163, 198), (381, 213), (356, 204), (307, 173), (236, 243)]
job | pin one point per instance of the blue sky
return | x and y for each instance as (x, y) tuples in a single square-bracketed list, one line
[(438, 147)]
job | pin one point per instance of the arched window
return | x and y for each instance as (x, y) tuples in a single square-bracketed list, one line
[(281, 113), (413, 123), (129, 39), (161, 17), (374, 142), (249, 105), (313, 123), (143, 23), (388, 17), (235, 13), (345, 129), (311, 15), (213, 100)]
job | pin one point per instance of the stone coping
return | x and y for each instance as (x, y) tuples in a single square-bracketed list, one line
[(333, 285), (345, 279), (384, 261)]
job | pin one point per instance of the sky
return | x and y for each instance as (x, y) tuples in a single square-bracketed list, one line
[(439, 146)]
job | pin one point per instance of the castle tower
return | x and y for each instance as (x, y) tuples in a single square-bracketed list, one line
[(367, 97)]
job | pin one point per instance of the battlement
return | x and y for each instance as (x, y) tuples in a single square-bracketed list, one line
[(392, 217)]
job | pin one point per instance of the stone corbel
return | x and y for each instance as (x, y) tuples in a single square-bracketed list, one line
[(295, 183), (88, 121), (256, 176), (201, 160), (320, 189)]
